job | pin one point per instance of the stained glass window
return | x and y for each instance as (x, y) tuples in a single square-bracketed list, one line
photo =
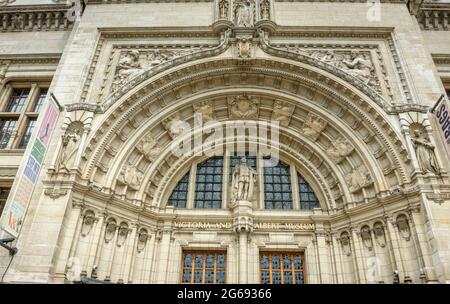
[(277, 187), (308, 199), (203, 267), (178, 198), (208, 183), (281, 268)]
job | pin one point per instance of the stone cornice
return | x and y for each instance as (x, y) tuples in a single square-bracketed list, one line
[(434, 16), (34, 18), (441, 58), (141, 1)]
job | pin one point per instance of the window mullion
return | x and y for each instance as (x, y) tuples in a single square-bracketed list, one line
[(191, 187), (260, 173), (294, 188)]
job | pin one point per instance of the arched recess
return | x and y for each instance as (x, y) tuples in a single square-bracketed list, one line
[(347, 113)]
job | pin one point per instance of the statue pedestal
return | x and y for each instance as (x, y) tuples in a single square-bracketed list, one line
[(243, 226)]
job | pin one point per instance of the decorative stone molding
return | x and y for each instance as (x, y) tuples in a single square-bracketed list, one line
[(313, 126), (6, 2), (358, 179), (243, 107), (434, 16), (55, 193), (339, 149), (34, 18), (438, 198)]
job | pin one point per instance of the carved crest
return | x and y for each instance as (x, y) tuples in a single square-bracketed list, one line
[(244, 107)]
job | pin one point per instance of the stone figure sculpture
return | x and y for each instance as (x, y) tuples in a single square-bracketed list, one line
[(223, 9), (128, 66), (149, 147), (244, 13), (70, 143), (131, 176), (244, 179), (339, 149), (265, 9), (425, 154), (313, 127), (357, 65)]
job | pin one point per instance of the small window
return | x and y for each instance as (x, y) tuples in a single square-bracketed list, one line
[(4, 192), (40, 100), (6, 129), (27, 134), (281, 268), (308, 199), (203, 267), (178, 198), (277, 187), (208, 183), (17, 100)]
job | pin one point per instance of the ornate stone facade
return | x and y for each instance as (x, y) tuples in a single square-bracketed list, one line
[(362, 162)]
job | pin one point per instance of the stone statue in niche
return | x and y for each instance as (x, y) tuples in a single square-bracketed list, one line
[(131, 176), (223, 9), (149, 147), (313, 126), (265, 9), (358, 179), (110, 230), (282, 112), (425, 153), (345, 243), (244, 107), (88, 222), (142, 240), (128, 66), (339, 149), (70, 145), (403, 227), (366, 237), (73, 270), (122, 234), (243, 182), (378, 232), (244, 13)]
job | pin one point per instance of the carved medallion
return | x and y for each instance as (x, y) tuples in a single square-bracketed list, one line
[(244, 107)]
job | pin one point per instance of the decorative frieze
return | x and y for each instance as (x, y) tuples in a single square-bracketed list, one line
[(41, 18), (434, 16)]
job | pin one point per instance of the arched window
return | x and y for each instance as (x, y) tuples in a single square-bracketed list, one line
[(208, 183), (308, 199), (277, 187), (178, 198)]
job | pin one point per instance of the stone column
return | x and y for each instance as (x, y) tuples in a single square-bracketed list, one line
[(323, 257), (96, 244), (164, 253), (358, 256), (424, 250), (243, 226), (392, 235), (337, 258), (129, 254)]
